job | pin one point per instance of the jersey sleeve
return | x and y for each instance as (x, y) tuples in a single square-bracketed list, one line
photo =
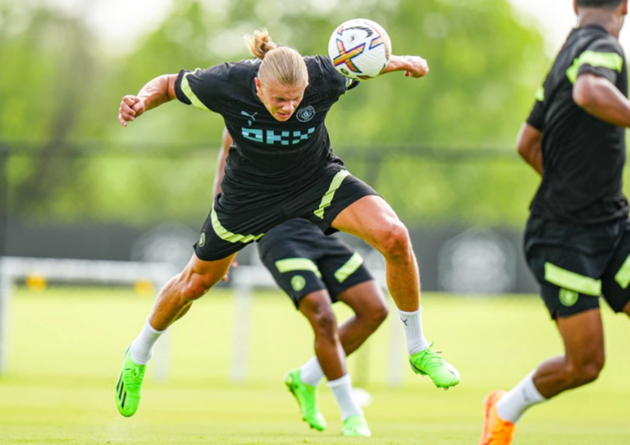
[(201, 88), (604, 57), (537, 116), (338, 84)]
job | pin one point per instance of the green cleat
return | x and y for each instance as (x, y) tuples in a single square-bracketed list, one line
[(306, 399), (355, 426), (427, 362), (128, 386)]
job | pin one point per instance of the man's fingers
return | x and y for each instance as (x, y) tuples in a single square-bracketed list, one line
[(130, 100), (127, 109), (121, 120)]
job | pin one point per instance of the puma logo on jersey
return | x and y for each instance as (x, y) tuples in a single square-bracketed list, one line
[(252, 117)]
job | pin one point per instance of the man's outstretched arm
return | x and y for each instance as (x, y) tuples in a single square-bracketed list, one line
[(158, 91)]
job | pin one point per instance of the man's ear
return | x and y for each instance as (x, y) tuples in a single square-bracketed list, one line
[(575, 7)]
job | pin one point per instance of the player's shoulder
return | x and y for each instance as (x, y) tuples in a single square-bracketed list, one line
[(235, 72), (322, 71), (599, 40)]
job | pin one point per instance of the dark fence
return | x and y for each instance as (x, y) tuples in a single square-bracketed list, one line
[(97, 200)]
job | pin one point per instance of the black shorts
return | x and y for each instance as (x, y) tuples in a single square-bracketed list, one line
[(303, 260), (241, 217), (576, 264)]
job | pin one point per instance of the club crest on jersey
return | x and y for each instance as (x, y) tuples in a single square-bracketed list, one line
[(305, 114)]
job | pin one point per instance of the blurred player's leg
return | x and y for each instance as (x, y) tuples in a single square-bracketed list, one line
[(384, 231), (172, 303), (331, 357), (583, 338), (370, 310)]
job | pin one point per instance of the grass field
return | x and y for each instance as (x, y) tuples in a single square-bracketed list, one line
[(67, 345)]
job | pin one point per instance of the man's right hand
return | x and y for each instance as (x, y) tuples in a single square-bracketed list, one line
[(130, 108)]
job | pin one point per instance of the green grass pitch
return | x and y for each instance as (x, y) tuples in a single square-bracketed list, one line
[(66, 346)]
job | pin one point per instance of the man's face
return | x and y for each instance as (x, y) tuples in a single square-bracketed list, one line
[(280, 100)]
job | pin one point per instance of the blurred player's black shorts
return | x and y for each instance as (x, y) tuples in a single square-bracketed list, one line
[(576, 264), (241, 216), (303, 260)]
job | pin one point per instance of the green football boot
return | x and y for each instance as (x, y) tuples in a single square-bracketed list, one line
[(306, 396), (355, 426), (128, 386), (427, 362)]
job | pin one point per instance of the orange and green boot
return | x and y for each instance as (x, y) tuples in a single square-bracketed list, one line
[(496, 431)]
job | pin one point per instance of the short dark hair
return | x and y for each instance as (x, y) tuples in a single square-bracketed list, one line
[(599, 3)]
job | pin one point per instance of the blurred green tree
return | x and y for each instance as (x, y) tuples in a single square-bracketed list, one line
[(485, 66)]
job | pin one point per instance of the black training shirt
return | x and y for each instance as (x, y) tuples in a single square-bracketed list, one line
[(583, 157), (267, 152)]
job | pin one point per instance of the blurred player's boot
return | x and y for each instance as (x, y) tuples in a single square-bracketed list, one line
[(306, 398), (427, 362), (496, 431), (355, 426), (128, 386)]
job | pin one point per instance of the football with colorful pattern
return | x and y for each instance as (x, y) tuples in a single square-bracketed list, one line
[(360, 49)]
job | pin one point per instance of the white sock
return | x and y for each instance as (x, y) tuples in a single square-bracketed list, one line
[(342, 389), (311, 373), (142, 347), (412, 323), (514, 402)]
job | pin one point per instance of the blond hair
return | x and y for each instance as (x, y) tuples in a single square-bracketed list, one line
[(282, 63)]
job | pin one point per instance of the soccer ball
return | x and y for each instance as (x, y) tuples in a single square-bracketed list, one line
[(360, 49)]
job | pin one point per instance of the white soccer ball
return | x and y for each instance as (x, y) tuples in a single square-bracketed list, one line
[(360, 49)]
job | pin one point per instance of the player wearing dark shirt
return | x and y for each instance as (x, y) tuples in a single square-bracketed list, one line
[(577, 239), (315, 271), (282, 168)]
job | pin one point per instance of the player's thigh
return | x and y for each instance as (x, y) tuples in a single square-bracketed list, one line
[(616, 277), (317, 308), (373, 220), (583, 337), (366, 299), (202, 275)]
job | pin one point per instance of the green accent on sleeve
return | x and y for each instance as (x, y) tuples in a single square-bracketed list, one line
[(572, 281), (611, 61), (330, 194), (540, 94), (349, 268), (293, 264), (190, 95), (226, 235), (623, 276)]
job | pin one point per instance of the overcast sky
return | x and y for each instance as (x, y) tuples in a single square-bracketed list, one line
[(121, 21)]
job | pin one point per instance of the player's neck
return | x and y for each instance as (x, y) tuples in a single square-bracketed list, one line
[(612, 23)]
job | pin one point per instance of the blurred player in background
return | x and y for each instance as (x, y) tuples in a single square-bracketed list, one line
[(281, 167), (577, 240), (315, 271)]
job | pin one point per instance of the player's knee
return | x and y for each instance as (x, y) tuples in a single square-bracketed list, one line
[(195, 286), (588, 372), (377, 315), (395, 241), (324, 322)]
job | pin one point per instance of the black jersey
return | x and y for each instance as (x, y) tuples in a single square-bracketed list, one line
[(268, 153), (583, 157)]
